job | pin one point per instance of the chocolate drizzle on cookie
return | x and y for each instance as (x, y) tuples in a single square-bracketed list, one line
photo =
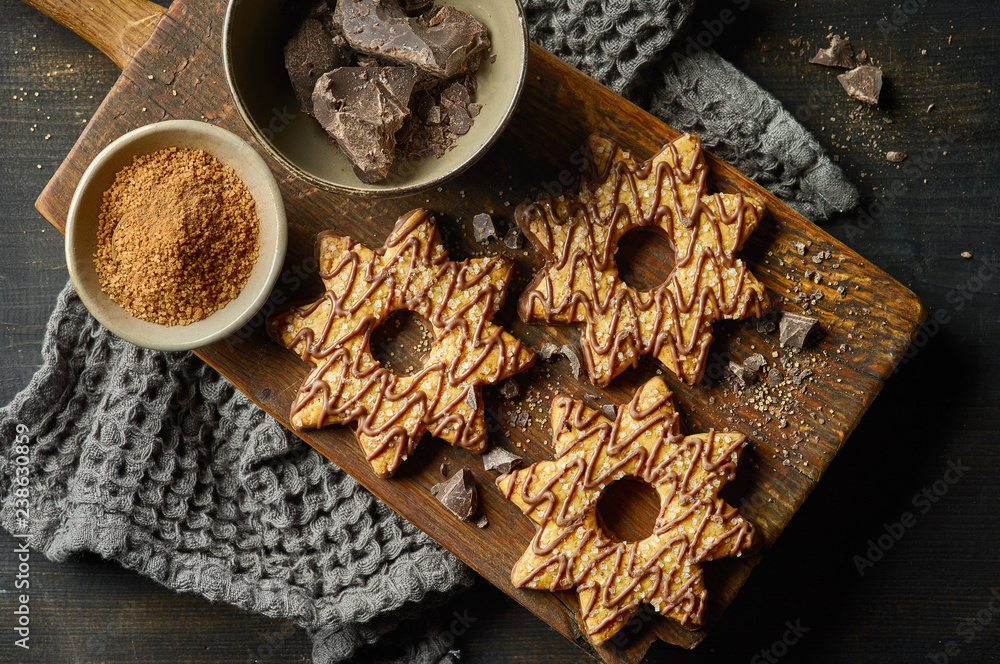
[(411, 271), (612, 577), (579, 233)]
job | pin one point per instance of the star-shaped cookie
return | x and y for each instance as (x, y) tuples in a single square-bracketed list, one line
[(571, 548), (363, 287), (579, 232)]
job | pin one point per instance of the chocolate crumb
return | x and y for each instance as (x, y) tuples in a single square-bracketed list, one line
[(513, 238), (498, 460), (483, 522), (444, 471), (966, 254), (509, 389), (895, 157), (774, 378), (458, 494), (799, 247), (794, 329), (609, 411), (483, 227), (547, 351), (755, 362), (839, 54), (470, 400), (523, 419), (864, 83)]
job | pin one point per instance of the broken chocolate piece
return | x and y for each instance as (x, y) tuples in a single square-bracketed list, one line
[(742, 373), (498, 460), (445, 42), (764, 325), (470, 400), (513, 238), (483, 228), (755, 362), (799, 247), (459, 121), (483, 522), (895, 157), (864, 83), (569, 352), (509, 389), (310, 53), (547, 351), (362, 108), (609, 411), (794, 329), (840, 54), (458, 494), (774, 377), (523, 419)]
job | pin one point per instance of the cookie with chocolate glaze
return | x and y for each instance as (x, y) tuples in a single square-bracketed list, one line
[(347, 384), (578, 234), (571, 548)]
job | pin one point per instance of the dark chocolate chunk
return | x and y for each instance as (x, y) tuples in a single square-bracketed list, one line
[(799, 247), (433, 115), (765, 325), (310, 53), (483, 228), (794, 329), (755, 362), (742, 373), (513, 238), (416, 7), (509, 389), (444, 42), (523, 419), (498, 460), (474, 110), (840, 54), (458, 494), (609, 411), (459, 121), (362, 108), (470, 400), (864, 83), (483, 522), (455, 94)]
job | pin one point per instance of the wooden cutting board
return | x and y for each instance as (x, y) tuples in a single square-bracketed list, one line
[(867, 317)]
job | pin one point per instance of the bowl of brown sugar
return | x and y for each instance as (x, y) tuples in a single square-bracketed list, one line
[(176, 235)]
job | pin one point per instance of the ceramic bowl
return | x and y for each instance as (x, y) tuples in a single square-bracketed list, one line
[(82, 224), (254, 35)]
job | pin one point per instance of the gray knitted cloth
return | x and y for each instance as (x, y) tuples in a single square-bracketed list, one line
[(155, 461)]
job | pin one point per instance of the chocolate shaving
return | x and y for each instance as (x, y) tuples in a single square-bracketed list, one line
[(547, 351), (864, 83), (794, 329), (498, 460), (839, 54), (569, 352), (458, 494)]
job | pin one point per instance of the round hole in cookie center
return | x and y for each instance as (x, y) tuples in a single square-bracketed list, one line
[(644, 258), (628, 508), (400, 342)]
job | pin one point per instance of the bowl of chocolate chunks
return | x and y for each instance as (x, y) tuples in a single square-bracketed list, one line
[(375, 98)]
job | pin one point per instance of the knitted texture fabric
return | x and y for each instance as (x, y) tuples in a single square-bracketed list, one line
[(155, 461)]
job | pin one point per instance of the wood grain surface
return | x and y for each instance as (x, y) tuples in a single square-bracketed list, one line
[(535, 649), (794, 440)]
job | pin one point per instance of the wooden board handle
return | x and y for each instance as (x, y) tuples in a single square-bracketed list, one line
[(117, 27)]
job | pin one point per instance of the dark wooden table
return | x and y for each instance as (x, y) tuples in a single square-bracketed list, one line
[(932, 595)]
